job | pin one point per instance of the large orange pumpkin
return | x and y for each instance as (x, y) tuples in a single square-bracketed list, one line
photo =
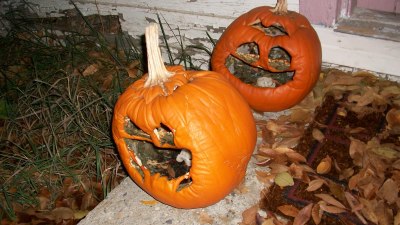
[(197, 112), (297, 37)]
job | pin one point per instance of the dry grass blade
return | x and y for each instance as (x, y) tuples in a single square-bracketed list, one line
[(60, 123)]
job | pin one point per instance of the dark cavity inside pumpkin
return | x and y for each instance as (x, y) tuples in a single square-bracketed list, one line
[(240, 63), (168, 162)]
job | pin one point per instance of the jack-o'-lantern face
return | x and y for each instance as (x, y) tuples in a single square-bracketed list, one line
[(273, 59), (185, 137)]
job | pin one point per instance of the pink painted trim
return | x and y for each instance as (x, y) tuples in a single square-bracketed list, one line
[(346, 8), (320, 12), (326, 12)]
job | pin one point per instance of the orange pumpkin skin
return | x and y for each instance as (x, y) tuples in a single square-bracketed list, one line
[(207, 116), (301, 42)]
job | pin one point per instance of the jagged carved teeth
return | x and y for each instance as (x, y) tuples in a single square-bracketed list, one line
[(157, 134), (138, 161)]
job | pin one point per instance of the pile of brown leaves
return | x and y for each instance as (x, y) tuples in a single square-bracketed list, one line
[(73, 203), (367, 190)]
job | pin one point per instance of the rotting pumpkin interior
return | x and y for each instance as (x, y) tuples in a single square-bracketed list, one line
[(241, 63), (168, 162)]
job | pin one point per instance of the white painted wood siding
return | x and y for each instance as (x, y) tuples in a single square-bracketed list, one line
[(193, 18)]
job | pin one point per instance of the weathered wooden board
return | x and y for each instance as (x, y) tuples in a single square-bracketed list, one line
[(191, 20), (382, 5), (371, 24)]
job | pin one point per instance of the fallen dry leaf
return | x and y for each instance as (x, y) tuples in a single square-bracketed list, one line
[(88, 201), (393, 119), (107, 82), (241, 188), (341, 111), (368, 210), (316, 214), (330, 200), (331, 208), (362, 99), (62, 213), (386, 152), (264, 177), (325, 165), (385, 213), (204, 218), (315, 184), (300, 115), (288, 210), (298, 172), (389, 191), (44, 198), (269, 221), (346, 173), (283, 149), (289, 142), (132, 69), (397, 219), (80, 214), (91, 69), (357, 150), (295, 157), (284, 179), (390, 91), (278, 168), (355, 206), (304, 215), (249, 215), (149, 202), (340, 78), (318, 135)]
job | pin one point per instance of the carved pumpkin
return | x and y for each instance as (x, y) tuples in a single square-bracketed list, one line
[(197, 112), (268, 29)]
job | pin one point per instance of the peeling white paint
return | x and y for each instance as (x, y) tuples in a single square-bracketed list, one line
[(191, 21)]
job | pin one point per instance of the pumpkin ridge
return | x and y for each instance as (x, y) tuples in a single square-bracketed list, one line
[(197, 117), (300, 42)]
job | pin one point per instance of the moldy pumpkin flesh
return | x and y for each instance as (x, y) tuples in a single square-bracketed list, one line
[(205, 115)]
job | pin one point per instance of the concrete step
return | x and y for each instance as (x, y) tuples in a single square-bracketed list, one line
[(124, 206)]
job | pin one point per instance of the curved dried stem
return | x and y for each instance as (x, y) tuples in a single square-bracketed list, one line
[(280, 7), (158, 73)]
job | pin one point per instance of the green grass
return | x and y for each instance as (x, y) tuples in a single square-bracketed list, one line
[(55, 121)]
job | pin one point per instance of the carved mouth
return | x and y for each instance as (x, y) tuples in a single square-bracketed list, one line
[(168, 162)]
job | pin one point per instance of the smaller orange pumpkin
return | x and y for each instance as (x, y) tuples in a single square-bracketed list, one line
[(293, 33), (197, 112)]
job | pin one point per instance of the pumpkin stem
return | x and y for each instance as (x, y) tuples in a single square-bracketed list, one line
[(157, 73), (280, 7)]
